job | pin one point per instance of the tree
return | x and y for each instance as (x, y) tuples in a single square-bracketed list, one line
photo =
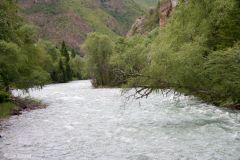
[(73, 53), (19, 57), (64, 50), (65, 72), (98, 49), (77, 66), (68, 72), (196, 53), (193, 54), (62, 74), (9, 64), (9, 20)]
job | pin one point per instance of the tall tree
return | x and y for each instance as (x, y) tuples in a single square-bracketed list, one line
[(98, 49), (19, 57)]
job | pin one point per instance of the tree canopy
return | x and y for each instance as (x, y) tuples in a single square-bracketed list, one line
[(27, 61), (196, 53)]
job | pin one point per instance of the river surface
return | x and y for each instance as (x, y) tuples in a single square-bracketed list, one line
[(82, 123)]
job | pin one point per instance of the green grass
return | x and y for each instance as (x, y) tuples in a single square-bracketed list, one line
[(6, 109), (94, 17), (147, 3)]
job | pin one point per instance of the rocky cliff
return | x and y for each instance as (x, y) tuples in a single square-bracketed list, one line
[(165, 11), (156, 17)]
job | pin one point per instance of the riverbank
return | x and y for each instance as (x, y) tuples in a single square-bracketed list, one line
[(212, 99), (17, 105), (235, 106)]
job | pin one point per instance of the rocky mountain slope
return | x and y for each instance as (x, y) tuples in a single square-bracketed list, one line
[(155, 17), (72, 20)]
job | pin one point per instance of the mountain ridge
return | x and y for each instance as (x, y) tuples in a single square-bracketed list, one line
[(71, 21)]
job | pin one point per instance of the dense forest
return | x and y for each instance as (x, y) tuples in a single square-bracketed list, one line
[(27, 61), (196, 53)]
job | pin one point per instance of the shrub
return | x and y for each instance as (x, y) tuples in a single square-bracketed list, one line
[(4, 96)]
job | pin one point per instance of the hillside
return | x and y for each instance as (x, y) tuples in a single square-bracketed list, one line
[(147, 3), (185, 47), (71, 20), (155, 17)]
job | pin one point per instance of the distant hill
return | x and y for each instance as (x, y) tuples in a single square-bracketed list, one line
[(72, 20)]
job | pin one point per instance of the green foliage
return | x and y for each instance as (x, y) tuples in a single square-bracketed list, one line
[(26, 61), (4, 96), (98, 49), (152, 18), (63, 72), (9, 63), (129, 58), (9, 21), (193, 53), (18, 54), (78, 66), (73, 54), (222, 74), (68, 72), (197, 53), (6, 109), (27, 34)]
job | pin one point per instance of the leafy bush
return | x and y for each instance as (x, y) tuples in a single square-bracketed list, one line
[(4, 96), (98, 49), (197, 53)]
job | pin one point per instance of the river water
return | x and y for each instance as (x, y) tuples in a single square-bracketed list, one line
[(82, 123)]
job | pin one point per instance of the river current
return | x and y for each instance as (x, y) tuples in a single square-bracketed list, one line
[(83, 123)]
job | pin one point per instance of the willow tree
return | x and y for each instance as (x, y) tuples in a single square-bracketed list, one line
[(19, 56), (98, 49), (197, 52)]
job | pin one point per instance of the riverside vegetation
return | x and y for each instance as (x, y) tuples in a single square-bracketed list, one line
[(27, 61), (197, 53)]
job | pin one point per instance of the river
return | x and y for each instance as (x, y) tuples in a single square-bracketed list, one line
[(83, 123)]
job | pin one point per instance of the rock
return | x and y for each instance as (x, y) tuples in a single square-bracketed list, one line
[(165, 11), (137, 27)]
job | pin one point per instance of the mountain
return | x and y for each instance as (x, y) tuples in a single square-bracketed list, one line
[(72, 20), (155, 17)]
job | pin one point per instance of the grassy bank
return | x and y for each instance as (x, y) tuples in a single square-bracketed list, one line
[(6, 109), (17, 105)]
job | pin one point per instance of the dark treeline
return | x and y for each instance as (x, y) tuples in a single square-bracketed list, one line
[(197, 53), (27, 61)]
